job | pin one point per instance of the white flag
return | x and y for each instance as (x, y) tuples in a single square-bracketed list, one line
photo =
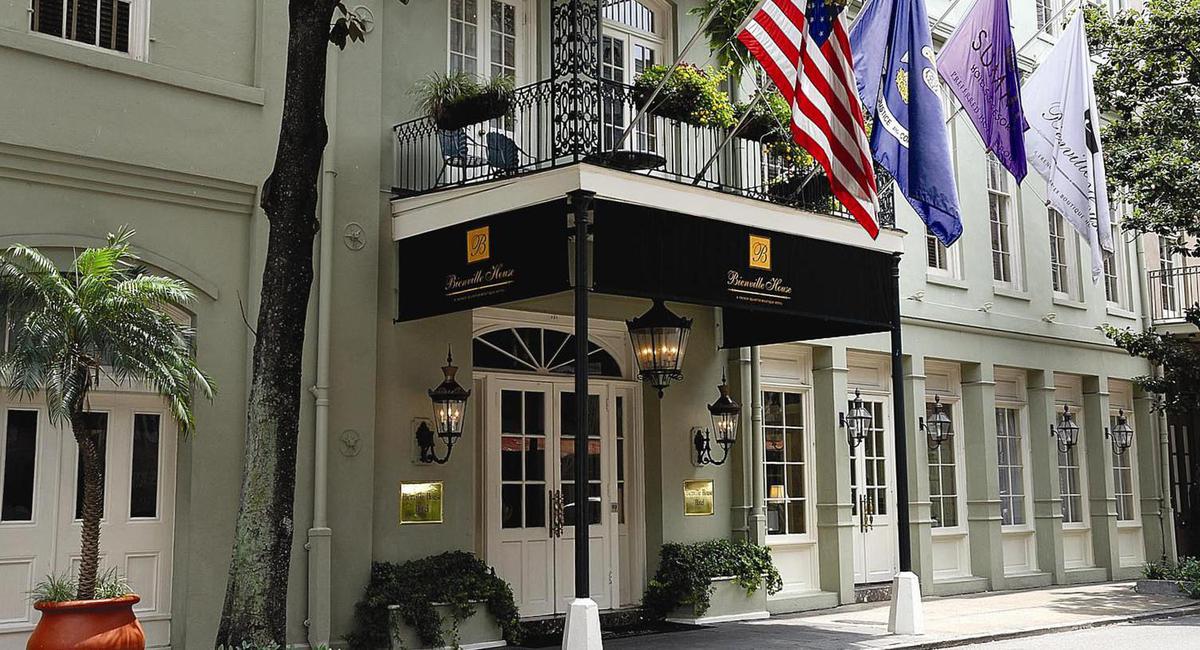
[(1063, 140)]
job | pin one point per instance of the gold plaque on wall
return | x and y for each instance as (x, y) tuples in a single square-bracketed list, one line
[(698, 497), (421, 502)]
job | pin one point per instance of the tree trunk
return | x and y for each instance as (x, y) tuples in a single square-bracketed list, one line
[(93, 504), (255, 608)]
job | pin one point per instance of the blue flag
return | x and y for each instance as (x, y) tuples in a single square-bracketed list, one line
[(898, 83)]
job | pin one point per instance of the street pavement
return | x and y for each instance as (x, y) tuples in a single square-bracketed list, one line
[(948, 622), (1182, 633)]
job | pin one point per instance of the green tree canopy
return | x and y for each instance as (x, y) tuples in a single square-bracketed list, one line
[(1149, 88)]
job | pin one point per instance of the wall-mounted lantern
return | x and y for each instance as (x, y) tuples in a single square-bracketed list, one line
[(857, 422), (725, 414), (1067, 432), (659, 339), (1122, 434), (939, 429), (449, 413)]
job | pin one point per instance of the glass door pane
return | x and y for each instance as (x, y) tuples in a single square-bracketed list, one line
[(567, 459)]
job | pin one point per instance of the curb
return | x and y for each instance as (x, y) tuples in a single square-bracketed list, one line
[(1176, 612)]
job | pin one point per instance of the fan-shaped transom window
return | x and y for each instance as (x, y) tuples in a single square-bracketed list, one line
[(630, 13), (535, 349)]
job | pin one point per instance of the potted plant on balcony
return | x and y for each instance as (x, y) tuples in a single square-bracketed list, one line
[(726, 577), (102, 321), (768, 118), (457, 99), (690, 95), (450, 599)]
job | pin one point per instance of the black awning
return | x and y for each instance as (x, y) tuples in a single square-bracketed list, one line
[(773, 288), (500, 258)]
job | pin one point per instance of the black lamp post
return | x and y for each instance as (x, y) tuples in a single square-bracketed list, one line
[(1122, 434), (659, 339), (725, 414), (939, 429), (1066, 433), (857, 422), (449, 412)]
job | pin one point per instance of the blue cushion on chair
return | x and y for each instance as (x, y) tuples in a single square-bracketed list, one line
[(502, 152)]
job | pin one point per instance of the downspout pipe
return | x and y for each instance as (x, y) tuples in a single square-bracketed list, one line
[(320, 536)]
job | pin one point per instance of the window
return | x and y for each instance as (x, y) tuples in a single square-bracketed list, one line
[(143, 480), (1123, 480), (937, 255), (943, 486), (544, 351), (1000, 214), (785, 463), (485, 38), (1112, 268), (523, 459), (107, 24), (631, 41), (1069, 482), (1168, 281), (19, 456), (1060, 257), (1011, 464), (1045, 10)]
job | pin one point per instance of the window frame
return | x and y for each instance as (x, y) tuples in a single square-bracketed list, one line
[(139, 32), (1009, 228), (1022, 429), (1118, 259), (1044, 11), (1129, 466), (526, 34), (1060, 232), (957, 444), (1079, 454), (810, 448)]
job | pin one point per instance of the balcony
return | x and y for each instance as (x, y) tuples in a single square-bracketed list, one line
[(551, 125), (1172, 291)]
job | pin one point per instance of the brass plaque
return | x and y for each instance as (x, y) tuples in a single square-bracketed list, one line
[(479, 244), (698, 497), (760, 252), (421, 502)]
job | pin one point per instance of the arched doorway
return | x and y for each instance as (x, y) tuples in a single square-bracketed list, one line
[(524, 372)]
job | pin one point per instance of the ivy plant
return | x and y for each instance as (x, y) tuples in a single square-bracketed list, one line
[(457, 579), (685, 573)]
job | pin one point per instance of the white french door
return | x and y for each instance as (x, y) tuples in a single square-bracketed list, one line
[(41, 495), (530, 490), (873, 504)]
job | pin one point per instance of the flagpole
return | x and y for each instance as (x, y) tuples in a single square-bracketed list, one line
[(758, 96), (637, 116)]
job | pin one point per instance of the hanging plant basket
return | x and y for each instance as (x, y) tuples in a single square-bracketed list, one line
[(477, 109), (691, 95), (456, 99)]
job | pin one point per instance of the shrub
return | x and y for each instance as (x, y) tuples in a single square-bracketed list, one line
[(685, 573), (1186, 574), (691, 95), (456, 578)]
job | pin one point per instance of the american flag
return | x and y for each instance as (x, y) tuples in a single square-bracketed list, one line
[(804, 49)]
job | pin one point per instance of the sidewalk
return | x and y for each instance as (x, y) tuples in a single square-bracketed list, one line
[(948, 621)]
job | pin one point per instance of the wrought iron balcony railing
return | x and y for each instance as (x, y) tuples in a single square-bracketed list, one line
[(1172, 291), (429, 159)]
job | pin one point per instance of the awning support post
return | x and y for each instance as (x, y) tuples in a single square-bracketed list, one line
[(582, 629), (906, 615)]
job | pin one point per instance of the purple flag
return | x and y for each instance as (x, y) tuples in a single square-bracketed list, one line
[(979, 63)]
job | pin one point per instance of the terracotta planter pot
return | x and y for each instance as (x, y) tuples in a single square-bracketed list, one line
[(107, 624)]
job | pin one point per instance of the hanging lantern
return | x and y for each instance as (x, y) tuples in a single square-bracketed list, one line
[(659, 339), (449, 412), (939, 428), (725, 414), (857, 422), (1067, 432), (1122, 434)]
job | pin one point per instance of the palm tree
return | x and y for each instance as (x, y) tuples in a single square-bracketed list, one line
[(104, 316)]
